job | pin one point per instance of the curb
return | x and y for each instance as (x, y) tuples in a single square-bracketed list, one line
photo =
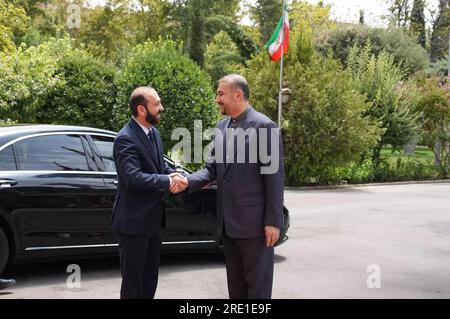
[(347, 186)]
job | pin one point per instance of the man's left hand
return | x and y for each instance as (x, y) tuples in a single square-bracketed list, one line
[(272, 235)]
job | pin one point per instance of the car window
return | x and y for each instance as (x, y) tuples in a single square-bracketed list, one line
[(89, 154), (7, 162), (51, 153), (104, 146)]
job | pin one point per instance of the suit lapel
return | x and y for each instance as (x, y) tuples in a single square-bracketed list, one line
[(149, 150)]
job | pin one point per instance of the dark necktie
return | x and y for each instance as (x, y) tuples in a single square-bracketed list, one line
[(151, 137)]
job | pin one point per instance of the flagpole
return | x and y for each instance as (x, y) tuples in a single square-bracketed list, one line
[(280, 93)]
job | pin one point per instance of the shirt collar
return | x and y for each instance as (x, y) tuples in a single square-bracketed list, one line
[(146, 130), (241, 116)]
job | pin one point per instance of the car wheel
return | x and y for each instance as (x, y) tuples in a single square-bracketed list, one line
[(4, 250)]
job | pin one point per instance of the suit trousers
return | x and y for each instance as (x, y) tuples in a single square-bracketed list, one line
[(250, 265), (139, 264)]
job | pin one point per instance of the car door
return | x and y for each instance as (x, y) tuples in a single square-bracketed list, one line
[(102, 146), (184, 212), (57, 197), (184, 219), (193, 213)]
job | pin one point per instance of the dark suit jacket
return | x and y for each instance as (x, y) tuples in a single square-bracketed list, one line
[(247, 199), (142, 182)]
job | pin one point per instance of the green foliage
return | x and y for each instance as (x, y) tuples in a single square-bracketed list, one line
[(323, 123), (192, 26), (84, 94), (438, 68), (434, 105), (6, 122), (400, 11), (103, 34), (196, 42), (439, 37), (417, 26), (47, 21), (334, 115), (27, 77), (391, 102), (267, 13), (185, 90), (222, 57), (404, 49), (396, 170), (243, 42), (13, 20), (310, 18), (57, 84)]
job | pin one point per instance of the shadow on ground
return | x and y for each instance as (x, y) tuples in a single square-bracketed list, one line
[(55, 272)]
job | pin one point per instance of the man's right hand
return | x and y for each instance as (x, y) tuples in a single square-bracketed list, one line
[(178, 183)]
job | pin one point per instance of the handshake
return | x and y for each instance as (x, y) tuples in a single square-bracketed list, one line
[(178, 183)]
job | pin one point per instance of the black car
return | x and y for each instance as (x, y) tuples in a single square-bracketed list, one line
[(57, 189)]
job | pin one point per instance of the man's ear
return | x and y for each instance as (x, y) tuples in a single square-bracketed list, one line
[(238, 95)]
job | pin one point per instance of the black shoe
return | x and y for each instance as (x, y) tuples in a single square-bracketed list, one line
[(5, 283)]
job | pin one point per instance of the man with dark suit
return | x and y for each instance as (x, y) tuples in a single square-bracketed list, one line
[(143, 179), (250, 202)]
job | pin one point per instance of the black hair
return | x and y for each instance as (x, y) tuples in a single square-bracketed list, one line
[(138, 98), (239, 82)]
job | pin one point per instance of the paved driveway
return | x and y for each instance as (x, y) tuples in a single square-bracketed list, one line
[(363, 242)]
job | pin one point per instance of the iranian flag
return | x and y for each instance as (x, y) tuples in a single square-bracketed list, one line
[(280, 38)]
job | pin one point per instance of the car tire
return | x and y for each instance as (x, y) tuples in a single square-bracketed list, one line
[(4, 250)]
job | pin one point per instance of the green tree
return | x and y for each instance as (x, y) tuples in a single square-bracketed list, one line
[(404, 48), (323, 124), (189, 19), (267, 13), (108, 32), (399, 13), (309, 18), (84, 94), (218, 23), (222, 57), (48, 20), (27, 77), (440, 35), (197, 43), (13, 21), (391, 104), (434, 106), (417, 25), (184, 88)]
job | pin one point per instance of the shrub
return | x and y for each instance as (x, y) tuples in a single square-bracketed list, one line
[(392, 103), (388, 170), (323, 124), (404, 48), (84, 95), (434, 106), (27, 77), (185, 90)]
